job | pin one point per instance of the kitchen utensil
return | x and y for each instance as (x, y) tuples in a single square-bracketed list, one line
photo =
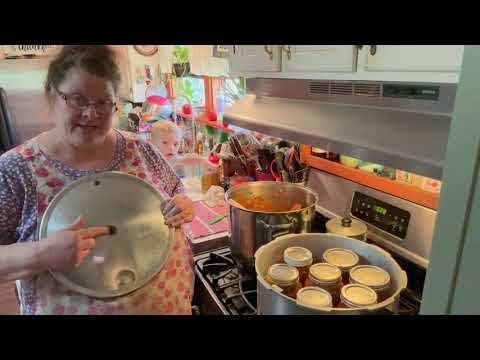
[(217, 219), (272, 302), (347, 227), (250, 229), (133, 254), (274, 171)]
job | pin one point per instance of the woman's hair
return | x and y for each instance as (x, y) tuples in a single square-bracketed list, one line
[(98, 60)]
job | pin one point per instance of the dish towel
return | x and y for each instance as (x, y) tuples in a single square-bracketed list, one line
[(199, 227)]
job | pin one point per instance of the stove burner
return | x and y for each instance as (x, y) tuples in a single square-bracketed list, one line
[(236, 290)]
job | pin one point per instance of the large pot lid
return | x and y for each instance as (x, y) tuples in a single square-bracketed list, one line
[(131, 255)]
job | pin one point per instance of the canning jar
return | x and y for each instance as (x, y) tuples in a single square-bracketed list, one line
[(314, 297), (342, 258), (356, 296), (285, 277), (327, 277), (374, 277), (299, 257)]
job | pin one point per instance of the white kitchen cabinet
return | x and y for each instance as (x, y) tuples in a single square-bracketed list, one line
[(254, 58), (319, 58), (422, 58)]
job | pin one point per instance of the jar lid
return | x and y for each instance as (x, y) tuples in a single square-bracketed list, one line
[(346, 227), (370, 275), (342, 258), (283, 274), (314, 297), (297, 256), (357, 295), (325, 273)]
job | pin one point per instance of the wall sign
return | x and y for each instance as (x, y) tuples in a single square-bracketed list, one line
[(14, 51)]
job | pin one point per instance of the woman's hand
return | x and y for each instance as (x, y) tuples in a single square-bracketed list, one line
[(178, 210), (69, 247)]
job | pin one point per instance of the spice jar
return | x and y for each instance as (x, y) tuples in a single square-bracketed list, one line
[(342, 258), (285, 277), (327, 277), (374, 277), (314, 297), (356, 296), (299, 257)]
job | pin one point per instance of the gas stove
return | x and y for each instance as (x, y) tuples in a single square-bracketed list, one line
[(222, 289)]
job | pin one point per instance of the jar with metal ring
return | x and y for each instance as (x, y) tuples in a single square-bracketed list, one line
[(327, 277), (374, 277), (285, 277), (299, 257), (314, 297), (343, 259), (356, 296)]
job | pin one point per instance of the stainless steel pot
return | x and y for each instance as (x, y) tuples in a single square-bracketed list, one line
[(251, 229), (272, 302)]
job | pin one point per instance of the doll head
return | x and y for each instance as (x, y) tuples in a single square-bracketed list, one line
[(166, 137)]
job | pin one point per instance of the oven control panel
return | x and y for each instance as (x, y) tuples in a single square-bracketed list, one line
[(384, 216)]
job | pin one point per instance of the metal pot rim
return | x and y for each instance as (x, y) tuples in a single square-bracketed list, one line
[(249, 184)]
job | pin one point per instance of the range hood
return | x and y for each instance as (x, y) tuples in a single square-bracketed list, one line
[(404, 126)]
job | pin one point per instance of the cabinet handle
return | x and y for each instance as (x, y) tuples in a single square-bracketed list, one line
[(288, 50), (269, 52), (373, 49), (359, 47)]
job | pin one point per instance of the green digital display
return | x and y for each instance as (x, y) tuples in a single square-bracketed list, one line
[(380, 210)]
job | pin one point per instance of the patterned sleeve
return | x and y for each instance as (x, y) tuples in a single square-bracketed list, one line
[(11, 199), (162, 169)]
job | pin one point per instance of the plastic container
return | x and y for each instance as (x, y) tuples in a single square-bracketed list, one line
[(314, 297), (357, 296), (374, 277), (327, 277), (342, 258), (284, 277), (300, 258)]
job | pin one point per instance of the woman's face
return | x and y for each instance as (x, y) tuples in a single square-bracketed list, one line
[(86, 126)]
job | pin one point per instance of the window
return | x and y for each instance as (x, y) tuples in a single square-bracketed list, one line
[(190, 89)]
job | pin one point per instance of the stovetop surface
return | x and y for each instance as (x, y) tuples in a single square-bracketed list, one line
[(237, 294)]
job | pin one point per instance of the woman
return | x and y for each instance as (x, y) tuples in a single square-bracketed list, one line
[(81, 86)]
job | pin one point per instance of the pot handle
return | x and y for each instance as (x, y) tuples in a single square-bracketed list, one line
[(271, 232)]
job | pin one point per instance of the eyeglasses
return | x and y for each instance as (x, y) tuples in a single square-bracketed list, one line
[(79, 102)]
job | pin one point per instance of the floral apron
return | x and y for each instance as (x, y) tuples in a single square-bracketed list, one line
[(169, 292)]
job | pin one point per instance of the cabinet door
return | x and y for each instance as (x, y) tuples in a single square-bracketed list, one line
[(319, 58), (427, 58), (244, 58)]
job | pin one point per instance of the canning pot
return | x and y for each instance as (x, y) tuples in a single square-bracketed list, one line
[(270, 300), (251, 228), (138, 245)]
